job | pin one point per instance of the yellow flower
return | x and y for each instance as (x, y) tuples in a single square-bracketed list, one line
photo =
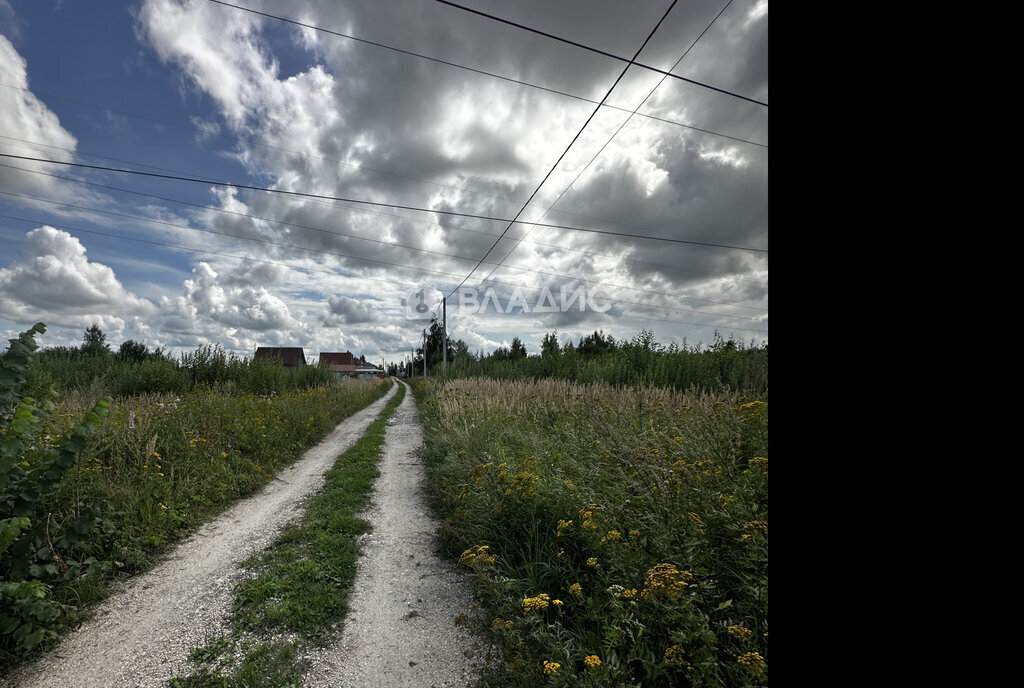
[(592, 661), (673, 655), (629, 594), (666, 578), (551, 668), (576, 590), (162, 506), (592, 561), (557, 603), (536, 603), (753, 661), (612, 536), (223, 455), (562, 525), (741, 631)]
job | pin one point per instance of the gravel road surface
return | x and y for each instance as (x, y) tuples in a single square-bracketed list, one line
[(401, 631), (142, 634)]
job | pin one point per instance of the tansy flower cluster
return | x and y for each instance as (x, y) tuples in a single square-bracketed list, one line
[(592, 661), (576, 590), (673, 655), (753, 661), (551, 668), (741, 631), (562, 525), (587, 514), (665, 578), (612, 536), (536, 603), (477, 556)]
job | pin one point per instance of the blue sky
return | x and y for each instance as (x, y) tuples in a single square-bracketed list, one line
[(194, 88)]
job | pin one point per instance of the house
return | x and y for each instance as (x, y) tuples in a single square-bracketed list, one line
[(290, 356), (346, 365)]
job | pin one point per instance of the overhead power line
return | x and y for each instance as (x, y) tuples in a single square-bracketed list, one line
[(336, 274), (402, 265), (385, 243), (610, 138), (482, 72), (302, 194), (596, 50), (567, 148)]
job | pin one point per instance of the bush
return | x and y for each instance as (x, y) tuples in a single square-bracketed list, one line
[(31, 541)]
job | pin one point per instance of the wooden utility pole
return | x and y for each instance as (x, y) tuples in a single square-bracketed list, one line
[(424, 353), (444, 336)]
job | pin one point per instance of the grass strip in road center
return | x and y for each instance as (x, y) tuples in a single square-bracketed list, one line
[(300, 584)]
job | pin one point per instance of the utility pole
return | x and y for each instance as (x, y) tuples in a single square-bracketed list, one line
[(444, 336), (424, 353)]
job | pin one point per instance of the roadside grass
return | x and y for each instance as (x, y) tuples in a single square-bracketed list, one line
[(159, 466), (299, 586), (619, 535)]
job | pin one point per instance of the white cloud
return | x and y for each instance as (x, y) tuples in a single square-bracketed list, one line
[(25, 118), (56, 282)]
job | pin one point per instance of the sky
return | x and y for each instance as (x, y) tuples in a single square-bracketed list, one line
[(320, 191)]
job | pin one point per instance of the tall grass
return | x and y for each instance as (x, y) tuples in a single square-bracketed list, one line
[(163, 463), (618, 534)]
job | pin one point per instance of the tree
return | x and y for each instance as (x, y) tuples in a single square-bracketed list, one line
[(132, 350), (517, 351), (549, 345), (94, 341)]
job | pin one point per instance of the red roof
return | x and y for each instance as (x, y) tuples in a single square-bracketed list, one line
[(335, 358)]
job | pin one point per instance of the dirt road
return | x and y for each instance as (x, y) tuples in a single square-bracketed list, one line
[(142, 634), (401, 631)]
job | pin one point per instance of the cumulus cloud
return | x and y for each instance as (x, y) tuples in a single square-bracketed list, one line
[(56, 282)]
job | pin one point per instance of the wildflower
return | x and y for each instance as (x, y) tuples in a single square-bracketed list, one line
[(615, 590), (760, 462), (576, 590), (477, 556), (753, 661), (162, 506), (673, 655), (557, 603), (634, 533), (500, 624), (592, 661), (223, 455), (741, 631), (695, 518), (160, 474), (536, 603), (551, 668), (592, 561), (629, 594), (562, 525), (758, 525), (667, 578), (612, 536)]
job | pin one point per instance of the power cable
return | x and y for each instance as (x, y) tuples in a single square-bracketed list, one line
[(339, 34), (595, 50), (375, 203), (211, 208), (567, 148), (610, 138)]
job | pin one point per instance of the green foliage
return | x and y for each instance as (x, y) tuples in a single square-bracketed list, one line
[(94, 342), (722, 365), (31, 541), (626, 527)]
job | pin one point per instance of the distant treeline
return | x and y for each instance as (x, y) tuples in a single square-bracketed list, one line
[(134, 369), (723, 364)]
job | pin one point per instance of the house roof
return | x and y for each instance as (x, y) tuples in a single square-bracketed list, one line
[(336, 358), (289, 355)]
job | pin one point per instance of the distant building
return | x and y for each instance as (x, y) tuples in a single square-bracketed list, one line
[(290, 356), (346, 365)]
